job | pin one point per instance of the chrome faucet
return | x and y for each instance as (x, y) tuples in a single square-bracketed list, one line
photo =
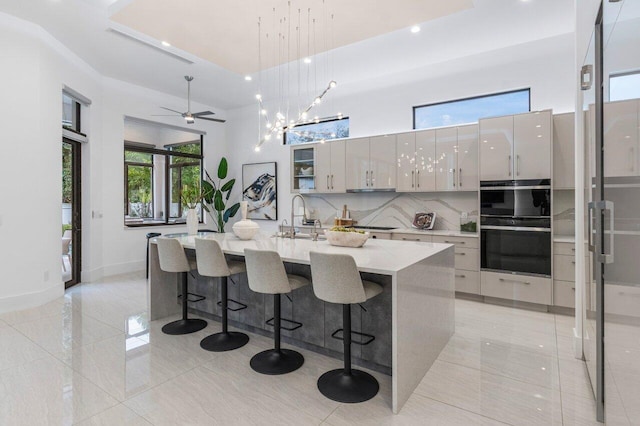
[(314, 233), (292, 232)]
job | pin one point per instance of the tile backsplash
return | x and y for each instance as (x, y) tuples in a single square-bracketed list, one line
[(394, 209)]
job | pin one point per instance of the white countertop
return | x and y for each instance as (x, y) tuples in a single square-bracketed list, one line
[(439, 232), (377, 256)]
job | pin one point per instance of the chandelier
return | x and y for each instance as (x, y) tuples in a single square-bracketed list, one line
[(291, 70)]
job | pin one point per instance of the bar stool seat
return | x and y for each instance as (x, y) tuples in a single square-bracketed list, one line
[(172, 258), (212, 263), (267, 275), (336, 280)]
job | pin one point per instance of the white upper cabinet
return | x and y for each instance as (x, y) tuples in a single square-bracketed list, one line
[(621, 139), (406, 164), (532, 145), (357, 163), (468, 158), (563, 151), (446, 161), (330, 167), (516, 147), (496, 148), (425, 160), (382, 169)]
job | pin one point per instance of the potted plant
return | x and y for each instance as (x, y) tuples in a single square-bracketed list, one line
[(215, 195), (191, 196)]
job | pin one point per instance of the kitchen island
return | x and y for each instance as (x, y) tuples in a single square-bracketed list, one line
[(412, 320)]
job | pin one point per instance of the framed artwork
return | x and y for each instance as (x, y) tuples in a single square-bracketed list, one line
[(259, 189)]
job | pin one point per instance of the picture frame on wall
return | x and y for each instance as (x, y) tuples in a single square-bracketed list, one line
[(260, 190)]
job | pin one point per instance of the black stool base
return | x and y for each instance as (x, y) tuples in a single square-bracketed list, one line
[(274, 361), (184, 326), (350, 388), (222, 342)]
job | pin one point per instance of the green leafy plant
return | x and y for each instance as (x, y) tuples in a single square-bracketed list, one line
[(215, 195), (191, 196)]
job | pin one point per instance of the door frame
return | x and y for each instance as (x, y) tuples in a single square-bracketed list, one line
[(76, 211)]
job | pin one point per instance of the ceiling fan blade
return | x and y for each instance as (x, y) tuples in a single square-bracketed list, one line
[(173, 110), (217, 120), (196, 114), (166, 115)]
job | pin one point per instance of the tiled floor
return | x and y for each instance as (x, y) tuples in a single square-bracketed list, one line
[(92, 358)]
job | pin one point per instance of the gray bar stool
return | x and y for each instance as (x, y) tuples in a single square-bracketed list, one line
[(173, 259), (212, 263), (267, 275), (336, 280)]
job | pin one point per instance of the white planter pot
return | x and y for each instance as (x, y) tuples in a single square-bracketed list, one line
[(192, 222)]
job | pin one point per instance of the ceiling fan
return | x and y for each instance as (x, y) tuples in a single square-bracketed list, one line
[(189, 116)]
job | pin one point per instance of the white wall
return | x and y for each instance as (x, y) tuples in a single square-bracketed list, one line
[(385, 106), (35, 68)]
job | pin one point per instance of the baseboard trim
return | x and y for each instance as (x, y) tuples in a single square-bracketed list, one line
[(577, 345), (31, 300)]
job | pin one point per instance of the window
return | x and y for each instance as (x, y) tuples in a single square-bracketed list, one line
[(324, 130), (151, 173), (470, 110), (70, 113), (624, 86)]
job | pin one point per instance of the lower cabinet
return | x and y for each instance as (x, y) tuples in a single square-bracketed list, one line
[(468, 281), (411, 237), (467, 262), (516, 287), (564, 294)]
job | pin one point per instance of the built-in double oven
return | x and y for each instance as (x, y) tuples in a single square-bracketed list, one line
[(515, 226)]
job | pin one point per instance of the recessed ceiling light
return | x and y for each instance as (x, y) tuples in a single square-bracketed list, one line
[(166, 44), (307, 60), (415, 29), (248, 77)]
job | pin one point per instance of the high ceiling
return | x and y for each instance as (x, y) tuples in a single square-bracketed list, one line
[(387, 53), (225, 32)]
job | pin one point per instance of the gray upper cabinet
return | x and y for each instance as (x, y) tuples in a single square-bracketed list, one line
[(357, 164), (330, 167), (371, 163), (446, 159), (563, 151), (467, 158)]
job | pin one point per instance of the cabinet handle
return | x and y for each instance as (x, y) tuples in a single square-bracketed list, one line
[(460, 178), (461, 276), (418, 178), (327, 181), (367, 178), (410, 239), (370, 177), (454, 177), (515, 281), (633, 166), (461, 254), (331, 181), (413, 178), (509, 165), (454, 242), (573, 261), (517, 165)]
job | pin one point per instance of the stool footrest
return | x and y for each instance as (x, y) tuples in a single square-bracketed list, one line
[(195, 298), (364, 338), (240, 307), (295, 324)]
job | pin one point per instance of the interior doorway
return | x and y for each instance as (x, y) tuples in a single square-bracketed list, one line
[(71, 212)]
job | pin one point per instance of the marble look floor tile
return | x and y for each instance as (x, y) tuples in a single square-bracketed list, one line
[(63, 332), (574, 378), (16, 349), (207, 398), (506, 360), (299, 386), (120, 415), (55, 307), (493, 396), (565, 325), (46, 392), (418, 410), (565, 349)]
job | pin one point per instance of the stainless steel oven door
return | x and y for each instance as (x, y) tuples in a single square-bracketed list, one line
[(516, 201), (522, 250)]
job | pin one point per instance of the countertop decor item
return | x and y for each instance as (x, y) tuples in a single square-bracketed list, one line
[(191, 196), (306, 171), (424, 221), (260, 190), (245, 229), (468, 223), (346, 237), (216, 195)]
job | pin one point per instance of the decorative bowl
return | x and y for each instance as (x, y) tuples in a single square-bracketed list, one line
[(346, 239), (245, 229), (306, 171)]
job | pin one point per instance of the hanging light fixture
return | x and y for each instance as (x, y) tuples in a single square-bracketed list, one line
[(288, 107)]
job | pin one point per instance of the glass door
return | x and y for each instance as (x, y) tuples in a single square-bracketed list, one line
[(71, 217), (618, 184)]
